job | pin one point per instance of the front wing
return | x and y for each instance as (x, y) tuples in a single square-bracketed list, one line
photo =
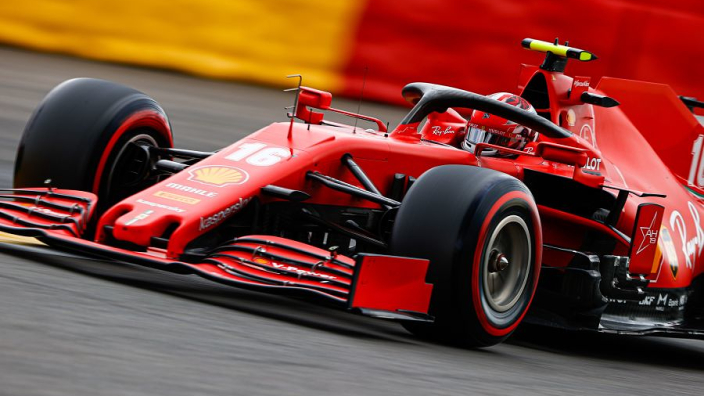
[(373, 285)]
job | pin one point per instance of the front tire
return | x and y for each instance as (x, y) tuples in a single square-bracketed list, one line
[(481, 232), (92, 135)]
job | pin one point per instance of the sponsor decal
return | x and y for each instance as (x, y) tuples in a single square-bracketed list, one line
[(494, 131), (665, 300), (650, 236), (648, 301), (437, 130), (258, 154), (297, 270), (668, 249), (48, 211), (616, 301), (696, 168), (176, 197), (161, 206), (691, 248), (660, 301), (578, 83), (216, 218), (192, 190), (645, 253), (218, 176), (587, 133), (571, 117), (140, 216), (592, 164)]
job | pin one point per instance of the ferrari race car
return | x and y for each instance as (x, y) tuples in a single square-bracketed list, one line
[(593, 225)]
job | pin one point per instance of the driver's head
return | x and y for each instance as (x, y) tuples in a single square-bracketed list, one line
[(488, 128)]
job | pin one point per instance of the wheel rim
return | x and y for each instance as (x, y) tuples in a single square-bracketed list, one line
[(506, 264), (118, 178)]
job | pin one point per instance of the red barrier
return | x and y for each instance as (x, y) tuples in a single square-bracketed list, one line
[(475, 45), (472, 44)]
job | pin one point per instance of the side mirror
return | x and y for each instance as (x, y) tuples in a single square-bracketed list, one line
[(315, 98), (562, 154), (571, 156)]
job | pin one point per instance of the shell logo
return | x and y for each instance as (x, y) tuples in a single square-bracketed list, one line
[(218, 176), (571, 117)]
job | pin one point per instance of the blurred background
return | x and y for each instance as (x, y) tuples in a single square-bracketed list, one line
[(71, 326), (473, 45)]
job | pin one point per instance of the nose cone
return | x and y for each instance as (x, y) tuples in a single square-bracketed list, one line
[(142, 223)]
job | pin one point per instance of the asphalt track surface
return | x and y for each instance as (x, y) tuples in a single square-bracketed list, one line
[(71, 326)]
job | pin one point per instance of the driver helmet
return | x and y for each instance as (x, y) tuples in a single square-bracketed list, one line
[(488, 128)]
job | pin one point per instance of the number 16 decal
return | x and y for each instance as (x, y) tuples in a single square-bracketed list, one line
[(258, 154), (697, 168)]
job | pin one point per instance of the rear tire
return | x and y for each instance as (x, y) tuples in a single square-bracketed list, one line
[(91, 135), (481, 232)]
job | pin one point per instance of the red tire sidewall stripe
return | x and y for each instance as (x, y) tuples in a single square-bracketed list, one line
[(142, 119), (476, 295)]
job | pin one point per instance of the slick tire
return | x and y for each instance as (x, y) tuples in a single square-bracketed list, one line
[(92, 135), (481, 232)]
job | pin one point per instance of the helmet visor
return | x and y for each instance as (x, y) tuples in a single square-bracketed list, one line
[(477, 135)]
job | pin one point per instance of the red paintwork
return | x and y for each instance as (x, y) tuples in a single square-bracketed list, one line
[(627, 160), (630, 161), (386, 282), (448, 128), (579, 224), (644, 239), (665, 123)]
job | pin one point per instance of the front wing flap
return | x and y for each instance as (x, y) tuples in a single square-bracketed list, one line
[(60, 212)]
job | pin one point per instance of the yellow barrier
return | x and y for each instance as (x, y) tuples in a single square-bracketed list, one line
[(254, 40)]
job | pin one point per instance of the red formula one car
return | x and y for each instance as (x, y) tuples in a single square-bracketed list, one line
[(594, 223)]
